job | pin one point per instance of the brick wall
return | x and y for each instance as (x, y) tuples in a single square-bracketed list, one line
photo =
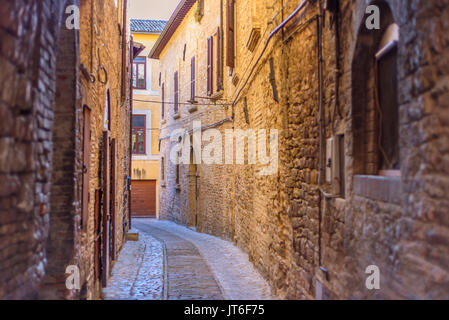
[(28, 33), (41, 138), (104, 51)]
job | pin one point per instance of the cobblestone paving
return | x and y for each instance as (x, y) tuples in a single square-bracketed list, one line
[(188, 275), (230, 267), (174, 262), (138, 272)]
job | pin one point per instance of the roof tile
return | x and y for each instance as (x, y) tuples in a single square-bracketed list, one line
[(150, 26)]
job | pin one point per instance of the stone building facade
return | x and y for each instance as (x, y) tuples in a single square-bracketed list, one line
[(146, 113), (191, 194), (64, 153), (356, 90)]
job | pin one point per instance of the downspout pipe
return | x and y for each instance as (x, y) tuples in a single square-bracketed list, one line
[(221, 45), (124, 89), (124, 41)]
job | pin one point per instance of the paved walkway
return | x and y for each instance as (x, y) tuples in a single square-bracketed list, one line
[(138, 273), (186, 266)]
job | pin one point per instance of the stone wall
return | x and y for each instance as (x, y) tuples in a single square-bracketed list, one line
[(211, 212), (102, 56), (43, 92), (28, 33), (307, 237), (390, 223)]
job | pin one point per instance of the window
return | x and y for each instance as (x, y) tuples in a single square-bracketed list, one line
[(140, 73), (107, 112), (214, 62), (176, 93), (230, 35), (375, 108), (218, 59), (178, 169), (163, 169), (192, 80), (199, 12), (139, 134), (210, 66), (163, 101), (210, 48), (387, 104), (86, 165)]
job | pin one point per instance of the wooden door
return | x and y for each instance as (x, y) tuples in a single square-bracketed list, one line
[(112, 235), (86, 166), (197, 197), (97, 233), (106, 207), (143, 195)]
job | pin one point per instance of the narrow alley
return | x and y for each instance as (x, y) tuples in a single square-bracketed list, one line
[(174, 262), (224, 150)]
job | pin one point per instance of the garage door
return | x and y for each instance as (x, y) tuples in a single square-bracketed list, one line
[(143, 199)]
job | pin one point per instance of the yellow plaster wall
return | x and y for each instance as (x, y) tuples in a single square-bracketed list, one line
[(149, 169)]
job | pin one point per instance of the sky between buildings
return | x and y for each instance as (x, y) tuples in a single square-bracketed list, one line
[(152, 9)]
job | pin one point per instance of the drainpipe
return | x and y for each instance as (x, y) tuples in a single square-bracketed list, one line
[(322, 168), (221, 46), (322, 138), (130, 75), (124, 40)]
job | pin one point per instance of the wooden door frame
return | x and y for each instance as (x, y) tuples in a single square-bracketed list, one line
[(112, 236), (97, 242), (86, 166), (106, 208)]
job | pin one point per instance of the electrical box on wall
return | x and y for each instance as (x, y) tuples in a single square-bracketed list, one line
[(335, 164), (329, 158)]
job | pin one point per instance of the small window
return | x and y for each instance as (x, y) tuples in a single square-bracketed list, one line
[(178, 169), (140, 73), (176, 93), (139, 134), (210, 66), (199, 12), (163, 101), (192, 80), (162, 169), (230, 37), (218, 81)]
